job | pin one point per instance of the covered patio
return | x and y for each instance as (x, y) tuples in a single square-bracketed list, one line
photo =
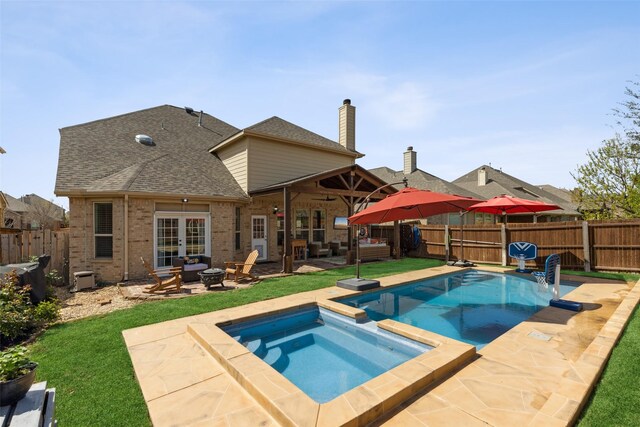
[(338, 191)]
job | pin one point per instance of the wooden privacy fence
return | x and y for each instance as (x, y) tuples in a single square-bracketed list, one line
[(18, 247), (589, 245)]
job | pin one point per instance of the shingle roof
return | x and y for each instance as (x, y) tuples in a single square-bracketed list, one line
[(279, 128), (499, 183), (563, 193), (423, 181), (15, 205), (103, 156)]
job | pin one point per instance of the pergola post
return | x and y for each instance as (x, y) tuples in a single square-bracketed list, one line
[(396, 239), (287, 257)]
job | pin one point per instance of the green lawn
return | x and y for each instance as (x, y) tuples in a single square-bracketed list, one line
[(88, 364), (616, 399)]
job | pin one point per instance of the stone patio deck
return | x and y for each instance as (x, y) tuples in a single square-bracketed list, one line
[(541, 372)]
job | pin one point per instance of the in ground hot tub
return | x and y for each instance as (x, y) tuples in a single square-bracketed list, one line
[(324, 353)]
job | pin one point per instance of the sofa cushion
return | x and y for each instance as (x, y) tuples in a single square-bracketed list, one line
[(195, 267)]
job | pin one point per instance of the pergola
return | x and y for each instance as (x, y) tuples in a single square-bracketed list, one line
[(351, 184)]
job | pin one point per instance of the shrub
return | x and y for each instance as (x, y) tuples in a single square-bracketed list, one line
[(46, 313), (18, 316), (14, 362), (54, 278)]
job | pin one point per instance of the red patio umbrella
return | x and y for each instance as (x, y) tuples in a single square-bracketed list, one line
[(505, 204), (411, 203)]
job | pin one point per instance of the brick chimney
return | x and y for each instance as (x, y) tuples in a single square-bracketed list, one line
[(410, 161), (482, 177), (347, 125)]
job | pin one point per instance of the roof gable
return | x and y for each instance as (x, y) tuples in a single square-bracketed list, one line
[(280, 129)]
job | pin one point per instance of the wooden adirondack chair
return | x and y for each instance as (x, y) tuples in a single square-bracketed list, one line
[(241, 270), (170, 283)]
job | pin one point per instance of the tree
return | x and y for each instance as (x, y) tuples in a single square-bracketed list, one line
[(631, 113), (609, 183), (43, 213)]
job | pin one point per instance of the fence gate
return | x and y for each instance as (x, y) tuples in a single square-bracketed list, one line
[(19, 247)]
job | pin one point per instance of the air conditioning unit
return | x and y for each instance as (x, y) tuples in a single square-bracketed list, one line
[(83, 280)]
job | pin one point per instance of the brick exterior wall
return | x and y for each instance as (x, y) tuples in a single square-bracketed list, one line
[(141, 229)]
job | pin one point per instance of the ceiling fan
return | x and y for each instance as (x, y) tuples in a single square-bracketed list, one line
[(326, 199)]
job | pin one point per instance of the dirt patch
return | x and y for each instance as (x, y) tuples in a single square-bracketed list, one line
[(88, 302)]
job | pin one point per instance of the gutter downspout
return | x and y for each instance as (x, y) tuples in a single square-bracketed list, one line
[(126, 237)]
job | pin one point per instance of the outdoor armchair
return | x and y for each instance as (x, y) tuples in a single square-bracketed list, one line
[(167, 280), (241, 270)]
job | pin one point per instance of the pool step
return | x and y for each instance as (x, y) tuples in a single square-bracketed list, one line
[(257, 347), (469, 279), (277, 358)]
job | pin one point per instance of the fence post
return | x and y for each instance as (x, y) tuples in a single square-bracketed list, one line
[(586, 245), (503, 242), (446, 243)]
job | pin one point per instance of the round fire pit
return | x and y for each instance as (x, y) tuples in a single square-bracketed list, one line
[(212, 276)]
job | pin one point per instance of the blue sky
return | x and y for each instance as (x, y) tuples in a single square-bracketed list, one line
[(525, 86)]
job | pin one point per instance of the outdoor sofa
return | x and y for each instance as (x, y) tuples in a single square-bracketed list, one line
[(191, 266)]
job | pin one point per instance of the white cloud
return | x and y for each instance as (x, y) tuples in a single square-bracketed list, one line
[(396, 102)]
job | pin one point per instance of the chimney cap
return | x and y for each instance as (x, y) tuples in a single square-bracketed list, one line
[(410, 148), (346, 102)]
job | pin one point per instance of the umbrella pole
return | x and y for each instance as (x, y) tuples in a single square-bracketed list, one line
[(357, 254), (462, 237)]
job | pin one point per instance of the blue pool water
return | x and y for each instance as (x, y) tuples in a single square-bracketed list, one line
[(323, 353), (473, 306)]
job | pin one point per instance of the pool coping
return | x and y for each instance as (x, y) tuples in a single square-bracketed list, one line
[(390, 398), (290, 406)]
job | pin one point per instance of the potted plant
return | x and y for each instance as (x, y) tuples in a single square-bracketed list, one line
[(17, 373)]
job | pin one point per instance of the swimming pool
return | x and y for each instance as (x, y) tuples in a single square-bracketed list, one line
[(324, 353), (471, 306)]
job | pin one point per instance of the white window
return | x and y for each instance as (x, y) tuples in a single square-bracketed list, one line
[(319, 225), (238, 228), (302, 224), (103, 230)]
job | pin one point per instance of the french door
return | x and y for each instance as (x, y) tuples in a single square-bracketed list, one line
[(180, 234), (259, 235)]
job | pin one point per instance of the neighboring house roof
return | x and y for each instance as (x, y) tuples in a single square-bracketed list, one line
[(423, 181), (562, 193), (498, 182), (103, 156), (16, 205), (275, 127), (44, 206)]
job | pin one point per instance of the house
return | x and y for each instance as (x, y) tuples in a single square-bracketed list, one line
[(32, 212), (488, 182), (3, 206), (16, 214), (168, 182), (43, 213), (422, 180)]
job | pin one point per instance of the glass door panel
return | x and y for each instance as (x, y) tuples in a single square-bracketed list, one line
[(195, 236), (259, 235), (167, 241)]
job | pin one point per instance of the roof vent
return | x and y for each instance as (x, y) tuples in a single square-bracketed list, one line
[(145, 140)]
